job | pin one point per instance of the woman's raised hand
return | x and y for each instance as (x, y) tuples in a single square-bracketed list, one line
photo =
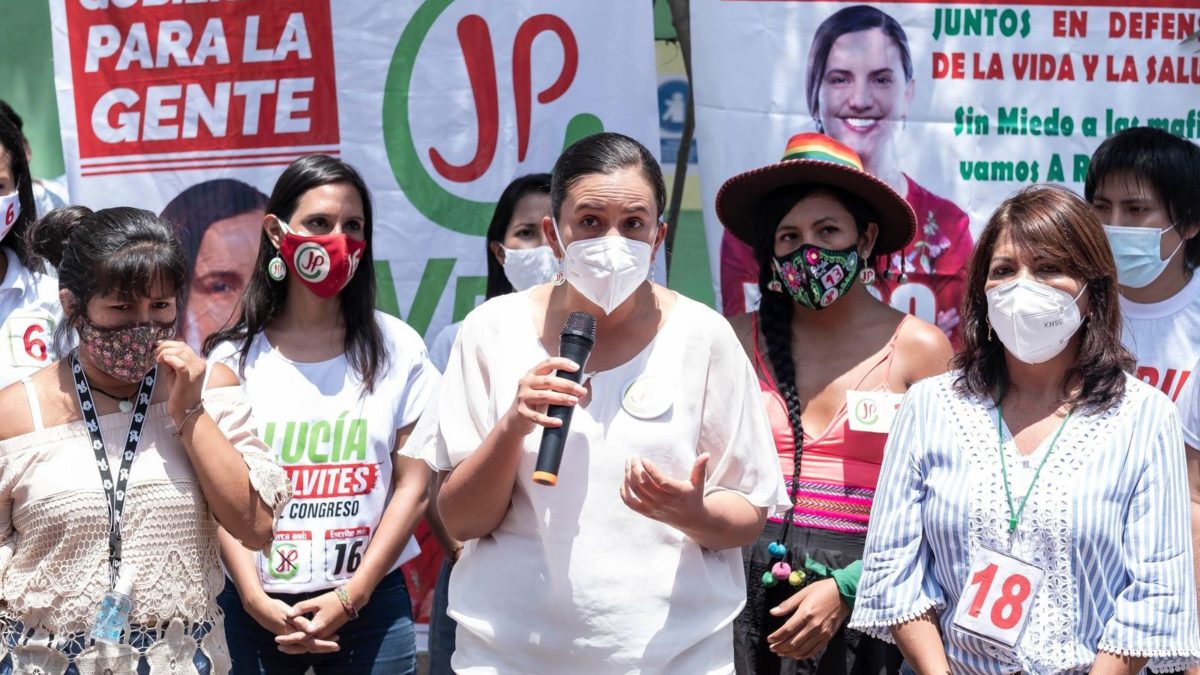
[(184, 373)]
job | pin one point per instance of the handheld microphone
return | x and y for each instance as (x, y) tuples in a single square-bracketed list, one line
[(575, 343)]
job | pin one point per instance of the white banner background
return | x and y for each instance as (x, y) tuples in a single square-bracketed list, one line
[(615, 82), (751, 56)]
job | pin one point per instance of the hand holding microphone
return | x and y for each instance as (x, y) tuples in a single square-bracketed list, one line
[(539, 389), (542, 396)]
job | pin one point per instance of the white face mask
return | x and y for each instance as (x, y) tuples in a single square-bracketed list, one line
[(1033, 321), (528, 267), (606, 270), (1137, 253), (10, 210)]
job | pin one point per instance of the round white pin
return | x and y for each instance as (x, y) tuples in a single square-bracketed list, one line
[(647, 397)]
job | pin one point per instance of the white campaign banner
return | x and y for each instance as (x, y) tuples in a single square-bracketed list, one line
[(195, 108), (955, 104)]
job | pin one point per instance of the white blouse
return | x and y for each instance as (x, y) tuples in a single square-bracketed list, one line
[(573, 580), (1107, 521), (54, 525)]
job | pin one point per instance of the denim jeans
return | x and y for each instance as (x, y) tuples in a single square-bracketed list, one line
[(381, 641), (441, 626)]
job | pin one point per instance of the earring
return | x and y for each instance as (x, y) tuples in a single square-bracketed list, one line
[(559, 278), (652, 271), (991, 335), (867, 276), (276, 269), (774, 285)]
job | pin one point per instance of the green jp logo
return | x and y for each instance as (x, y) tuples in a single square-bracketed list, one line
[(312, 262), (867, 412)]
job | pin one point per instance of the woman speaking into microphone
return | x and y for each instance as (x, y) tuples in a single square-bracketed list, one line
[(631, 562)]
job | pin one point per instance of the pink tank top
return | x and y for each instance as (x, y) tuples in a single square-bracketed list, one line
[(839, 467)]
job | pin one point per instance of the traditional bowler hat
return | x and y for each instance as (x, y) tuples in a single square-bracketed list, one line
[(816, 159)]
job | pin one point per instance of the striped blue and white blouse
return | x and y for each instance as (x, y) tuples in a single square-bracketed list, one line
[(1108, 522)]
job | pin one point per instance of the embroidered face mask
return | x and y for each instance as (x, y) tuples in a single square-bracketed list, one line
[(816, 277), (126, 352), (324, 263)]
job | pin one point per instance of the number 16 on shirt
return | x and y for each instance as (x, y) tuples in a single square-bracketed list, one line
[(998, 598)]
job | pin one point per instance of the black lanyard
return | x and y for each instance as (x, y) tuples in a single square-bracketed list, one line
[(114, 493)]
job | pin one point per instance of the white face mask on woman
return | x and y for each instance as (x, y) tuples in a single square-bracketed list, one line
[(1033, 321), (1137, 252), (10, 210), (606, 270), (528, 267)]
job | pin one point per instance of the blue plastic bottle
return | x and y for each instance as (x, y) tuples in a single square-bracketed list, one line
[(114, 608)]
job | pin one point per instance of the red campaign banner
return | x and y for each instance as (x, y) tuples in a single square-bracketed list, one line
[(324, 481), (348, 532), (1167, 4), (421, 573), (202, 79)]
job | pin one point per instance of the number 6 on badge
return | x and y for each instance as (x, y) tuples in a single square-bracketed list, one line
[(998, 598)]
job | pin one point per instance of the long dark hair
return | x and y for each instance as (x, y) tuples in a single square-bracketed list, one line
[(534, 183), (854, 19), (12, 149), (195, 209), (1055, 222), (265, 297), (776, 308), (123, 249)]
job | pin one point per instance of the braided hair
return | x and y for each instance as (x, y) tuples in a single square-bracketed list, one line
[(776, 309)]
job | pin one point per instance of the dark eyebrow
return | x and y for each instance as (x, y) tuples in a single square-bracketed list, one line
[(332, 216), (593, 206)]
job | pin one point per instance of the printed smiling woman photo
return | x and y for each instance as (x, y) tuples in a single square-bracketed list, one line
[(860, 84)]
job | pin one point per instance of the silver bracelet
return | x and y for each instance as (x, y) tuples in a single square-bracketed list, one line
[(199, 407)]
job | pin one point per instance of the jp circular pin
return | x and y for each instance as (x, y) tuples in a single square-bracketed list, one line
[(647, 397)]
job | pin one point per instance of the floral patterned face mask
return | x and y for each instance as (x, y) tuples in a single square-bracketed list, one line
[(816, 276), (123, 352)]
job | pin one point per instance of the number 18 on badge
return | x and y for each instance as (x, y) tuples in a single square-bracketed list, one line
[(998, 598)]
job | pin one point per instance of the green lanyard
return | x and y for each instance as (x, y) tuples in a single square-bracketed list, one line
[(1014, 516)]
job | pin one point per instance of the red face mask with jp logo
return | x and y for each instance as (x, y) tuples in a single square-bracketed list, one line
[(324, 263)]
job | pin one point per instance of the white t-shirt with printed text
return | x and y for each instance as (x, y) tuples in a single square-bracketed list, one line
[(1164, 338), (336, 442), (29, 312)]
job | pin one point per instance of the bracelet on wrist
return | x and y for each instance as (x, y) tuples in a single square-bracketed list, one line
[(187, 414), (347, 604)]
